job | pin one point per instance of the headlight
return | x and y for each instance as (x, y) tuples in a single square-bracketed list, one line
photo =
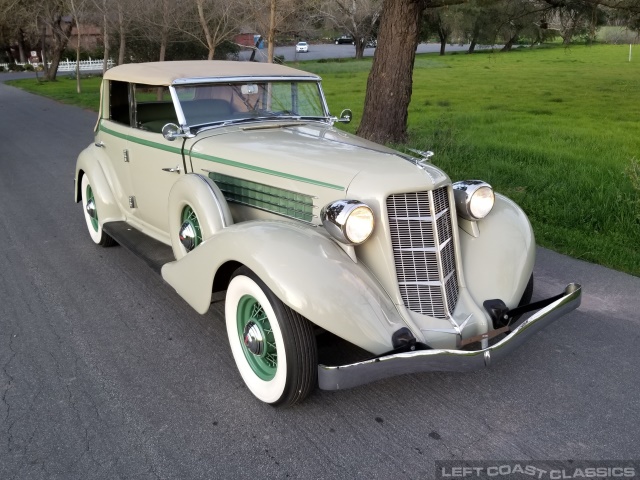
[(349, 221), (474, 199)]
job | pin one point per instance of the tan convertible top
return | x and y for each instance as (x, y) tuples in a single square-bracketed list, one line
[(166, 73)]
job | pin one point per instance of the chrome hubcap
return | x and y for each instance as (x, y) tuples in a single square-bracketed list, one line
[(187, 236), (253, 338), (91, 209)]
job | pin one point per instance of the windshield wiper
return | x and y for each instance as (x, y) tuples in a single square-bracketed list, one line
[(273, 117)]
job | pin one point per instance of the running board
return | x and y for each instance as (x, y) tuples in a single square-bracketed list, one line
[(154, 253)]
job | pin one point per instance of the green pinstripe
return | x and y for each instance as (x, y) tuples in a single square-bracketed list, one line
[(223, 161)]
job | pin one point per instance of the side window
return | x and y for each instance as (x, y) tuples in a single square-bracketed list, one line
[(153, 107), (119, 105)]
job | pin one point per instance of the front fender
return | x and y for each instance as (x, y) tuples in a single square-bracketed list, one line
[(305, 269), (88, 163), (498, 262)]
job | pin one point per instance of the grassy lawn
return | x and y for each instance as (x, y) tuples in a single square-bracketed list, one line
[(555, 129), (64, 90)]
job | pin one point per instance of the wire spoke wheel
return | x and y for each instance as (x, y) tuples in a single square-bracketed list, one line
[(190, 234), (91, 201), (273, 346), (256, 335)]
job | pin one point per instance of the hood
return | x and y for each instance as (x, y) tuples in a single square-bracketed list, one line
[(332, 158)]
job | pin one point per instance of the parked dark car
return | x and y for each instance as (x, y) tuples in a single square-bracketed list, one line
[(345, 39)]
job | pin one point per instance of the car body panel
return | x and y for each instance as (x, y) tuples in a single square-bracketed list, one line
[(301, 266), (90, 162)]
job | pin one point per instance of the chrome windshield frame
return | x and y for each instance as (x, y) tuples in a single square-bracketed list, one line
[(244, 79)]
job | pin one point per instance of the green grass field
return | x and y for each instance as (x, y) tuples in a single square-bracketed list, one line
[(555, 129)]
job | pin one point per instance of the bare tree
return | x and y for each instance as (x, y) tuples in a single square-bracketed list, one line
[(217, 21), (358, 18), (271, 17), (55, 15), (103, 13), (79, 10), (569, 20)]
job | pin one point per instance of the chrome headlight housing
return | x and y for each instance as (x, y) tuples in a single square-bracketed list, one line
[(348, 221), (474, 199)]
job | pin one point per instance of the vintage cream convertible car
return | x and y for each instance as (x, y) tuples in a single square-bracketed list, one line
[(230, 176)]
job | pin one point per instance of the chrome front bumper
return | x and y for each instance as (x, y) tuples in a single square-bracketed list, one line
[(347, 376)]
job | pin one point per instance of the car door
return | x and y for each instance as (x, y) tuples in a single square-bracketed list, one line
[(112, 136), (155, 163)]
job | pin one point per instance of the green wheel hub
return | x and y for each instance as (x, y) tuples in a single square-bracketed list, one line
[(91, 208), (190, 231), (256, 337)]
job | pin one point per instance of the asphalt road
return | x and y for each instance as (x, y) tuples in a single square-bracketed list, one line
[(318, 51), (107, 373)]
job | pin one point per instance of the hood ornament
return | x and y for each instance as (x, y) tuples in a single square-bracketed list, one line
[(425, 156)]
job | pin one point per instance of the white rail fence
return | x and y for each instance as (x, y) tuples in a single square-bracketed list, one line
[(69, 65)]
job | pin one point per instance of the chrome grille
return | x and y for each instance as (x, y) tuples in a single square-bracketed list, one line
[(423, 251)]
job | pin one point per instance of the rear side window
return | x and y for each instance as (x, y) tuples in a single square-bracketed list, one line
[(119, 105), (153, 107)]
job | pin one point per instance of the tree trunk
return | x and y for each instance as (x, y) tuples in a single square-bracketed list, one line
[(163, 47), (271, 37), (205, 28), (107, 47), (389, 85), (510, 42), (105, 40), (359, 43), (78, 85), (443, 35), (443, 42), (122, 34), (61, 31), (43, 49), (21, 49), (474, 37)]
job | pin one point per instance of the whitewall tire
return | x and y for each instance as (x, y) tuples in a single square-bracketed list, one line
[(274, 347), (90, 210)]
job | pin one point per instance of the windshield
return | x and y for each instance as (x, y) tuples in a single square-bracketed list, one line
[(219, 102)]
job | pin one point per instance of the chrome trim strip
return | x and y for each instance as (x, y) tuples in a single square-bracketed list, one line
[(221, 211), (436, 241), (179, 113), (425, 249), (347, 376), (425, 219), (434, 283), (244, 79)]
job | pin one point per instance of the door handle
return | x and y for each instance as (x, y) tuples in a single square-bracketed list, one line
[(175, 169)]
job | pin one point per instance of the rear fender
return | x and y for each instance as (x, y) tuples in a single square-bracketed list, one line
[(305, 269), (89, 164)]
